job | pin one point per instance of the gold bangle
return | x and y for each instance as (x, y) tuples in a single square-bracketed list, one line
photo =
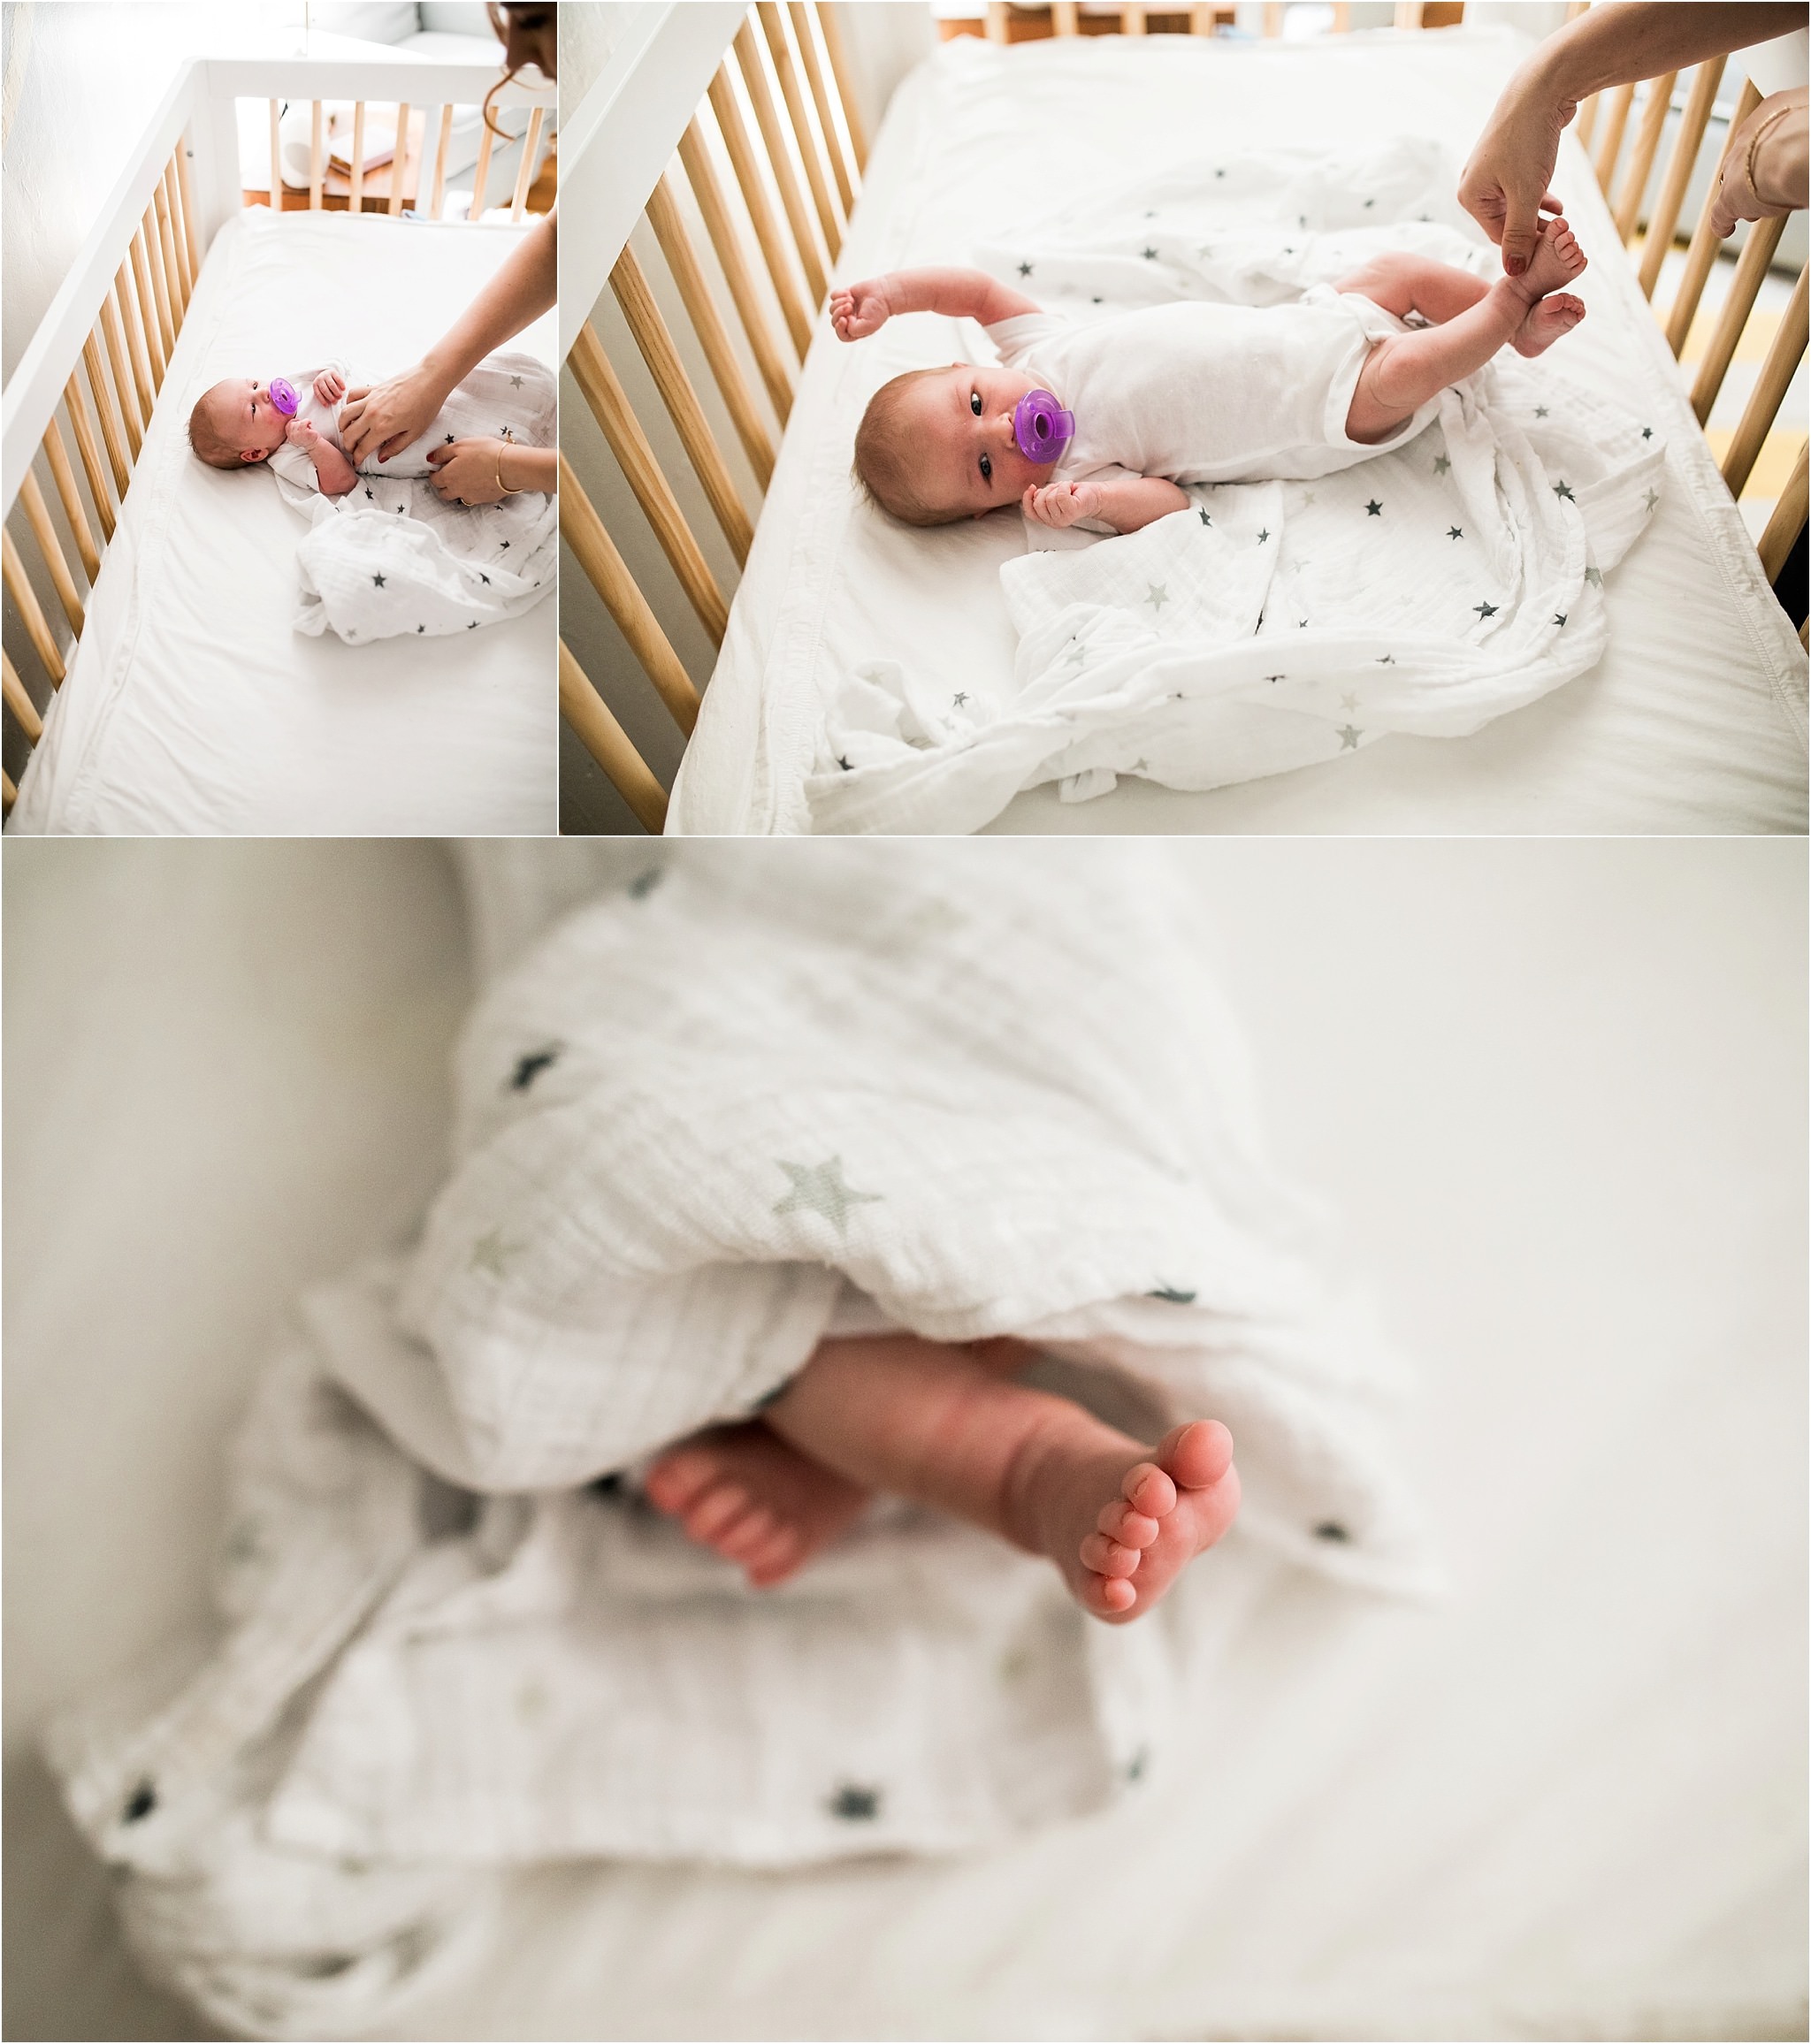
[(502, 487), (1778, 114)]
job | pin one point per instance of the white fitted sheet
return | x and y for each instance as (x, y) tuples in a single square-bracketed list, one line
[(1694, 721), (193, 707), (1557, 1096)]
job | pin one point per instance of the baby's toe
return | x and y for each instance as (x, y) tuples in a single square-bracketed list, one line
[(1149, 1490), (1104, 1557), (713, 1514), (1110, 1595), (1197, 1454), (1119, 1522)]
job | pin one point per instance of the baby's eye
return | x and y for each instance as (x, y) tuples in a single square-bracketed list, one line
[(986, 468), (974, 402)]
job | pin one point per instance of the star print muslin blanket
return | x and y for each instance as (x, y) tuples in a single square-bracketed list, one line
[(1271, 624), (391, 559), (722, 1110)]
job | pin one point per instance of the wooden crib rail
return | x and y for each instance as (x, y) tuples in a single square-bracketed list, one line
[(769, 103)]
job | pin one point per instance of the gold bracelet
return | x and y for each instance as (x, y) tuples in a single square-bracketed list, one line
[(502, 487), (1778, 114)]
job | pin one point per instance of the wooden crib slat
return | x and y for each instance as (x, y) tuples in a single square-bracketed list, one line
[(774, 27), (9, 793), (801, 16), (20, 703), (607, 573), (1065, 18), (610, 745), (179, 247), (1342, 18), (1620, 99), (1665, 216), (524, 170), (186, 190), (122, 376), (317, 160), (147, 308), (995, 29), (1776, 373), (630, 285), (722, 98), (610, 407), (1786, 523), (1132, 22), (160, 288), (37, 630), (276, 158), (38, 517), (354, 194), (478, 177), (64, 476), (682, 259), (437, 204), (727, 244), (399, 159), (90, 456), (1745, 287), (134, 341), (832, 30), (104, 411), (1660, 96), (791, 199), (1705, 244), (1409, 13)]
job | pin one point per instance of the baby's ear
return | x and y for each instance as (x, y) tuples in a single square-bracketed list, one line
[(253, 454)]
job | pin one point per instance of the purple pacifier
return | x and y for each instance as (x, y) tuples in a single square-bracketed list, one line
[(1041, 427), (283, 395)]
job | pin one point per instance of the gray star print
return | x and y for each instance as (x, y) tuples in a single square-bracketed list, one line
[(377, 580), (1262, 536), (515, 382), (1541, 411), (1349, 702), (1594, 576), (1455, 531), (1348, 738), (1025, 270), (1158, 597), (822, 1189), (1652, 498), (1441, 464), (1205, 520), (1564, 489), (1373, 509), (1141, 766), (1150, 255), (1485, 610), (958, 698)]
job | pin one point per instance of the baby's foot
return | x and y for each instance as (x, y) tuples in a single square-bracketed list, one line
[(752, 1498), (1122, 1535), (1548, 319), (1556, 261)]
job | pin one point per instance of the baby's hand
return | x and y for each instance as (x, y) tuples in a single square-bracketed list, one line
[(860, 309), (1061, 504), (299, 433), (330, 386)]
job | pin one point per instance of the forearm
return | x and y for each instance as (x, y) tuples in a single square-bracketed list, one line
[(521, 469), (521, 289), (1617, 45), (332, 471), (957, 293), (1128, 507)]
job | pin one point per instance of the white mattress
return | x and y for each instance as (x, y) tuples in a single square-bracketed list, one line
[(1559, 1093), (193, 706), (1696, 720)]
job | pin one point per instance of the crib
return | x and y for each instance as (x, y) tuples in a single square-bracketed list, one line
[(758, 104), (96, 370)]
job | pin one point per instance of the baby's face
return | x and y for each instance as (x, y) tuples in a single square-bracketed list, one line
[(962, 423), (240, 410)]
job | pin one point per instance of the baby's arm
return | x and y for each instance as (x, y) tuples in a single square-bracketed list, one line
[(334, 473), (1126, 506), (860, 309)]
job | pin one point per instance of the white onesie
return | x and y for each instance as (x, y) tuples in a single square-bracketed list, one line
[(1206, 393)]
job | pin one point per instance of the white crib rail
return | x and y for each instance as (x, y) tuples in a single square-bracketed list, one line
[(114, 323)]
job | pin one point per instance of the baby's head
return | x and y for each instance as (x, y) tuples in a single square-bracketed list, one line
[(235, 422), (936, 445)]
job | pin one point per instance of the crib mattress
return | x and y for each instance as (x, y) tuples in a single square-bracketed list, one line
[(1694, 721), (193, 707)]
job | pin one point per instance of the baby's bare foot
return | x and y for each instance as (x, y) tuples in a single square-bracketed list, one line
[(1122, 1534), (1559, 312), (1556, 261), (754, 1497)]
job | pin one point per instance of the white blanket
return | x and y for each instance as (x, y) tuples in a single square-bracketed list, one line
[(972, 1116), (391, 559), (1428, 589)]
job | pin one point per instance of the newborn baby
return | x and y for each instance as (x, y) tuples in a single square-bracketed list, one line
[(236, 421), (1189, 392)]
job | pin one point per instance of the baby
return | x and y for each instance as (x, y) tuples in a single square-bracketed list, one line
[(237, 421), (1189, 393), (950, 1427)]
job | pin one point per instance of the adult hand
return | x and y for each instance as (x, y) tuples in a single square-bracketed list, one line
[(382, 419), (470, 471), (1762, 172), (1505, 187)]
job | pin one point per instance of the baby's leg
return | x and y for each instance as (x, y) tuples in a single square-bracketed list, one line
[(1402, 283), (1405, 370), (944, 1428)]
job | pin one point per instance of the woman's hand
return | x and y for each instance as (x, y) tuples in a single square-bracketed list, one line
[(1505, 187), (1762, 172), (330, 386), (382, 419), (482, 471), (860, 309)]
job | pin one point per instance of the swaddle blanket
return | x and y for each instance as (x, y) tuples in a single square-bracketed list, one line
[(724, 1108), (1271, 624), (391, 559)]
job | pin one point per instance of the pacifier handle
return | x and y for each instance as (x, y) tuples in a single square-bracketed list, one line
[(283, 395), (1041, 427)]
